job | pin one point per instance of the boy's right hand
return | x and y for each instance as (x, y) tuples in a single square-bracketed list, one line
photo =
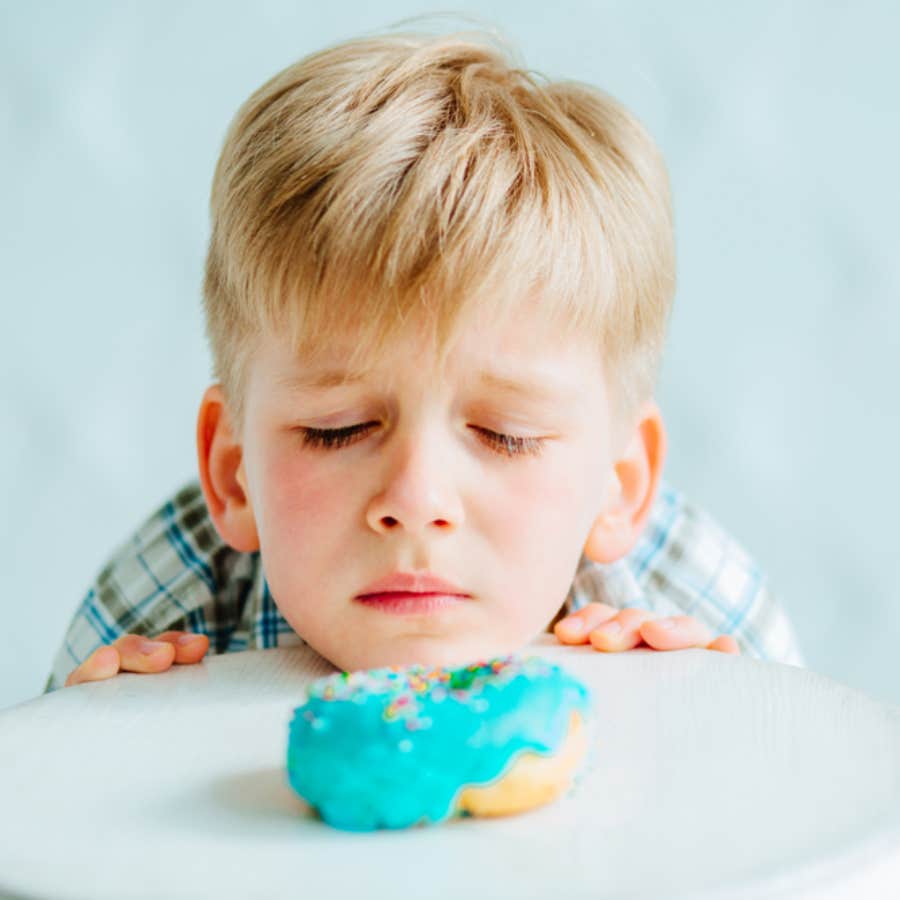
[(136, 653)]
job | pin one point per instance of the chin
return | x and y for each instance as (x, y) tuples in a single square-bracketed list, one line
[(424, 652)]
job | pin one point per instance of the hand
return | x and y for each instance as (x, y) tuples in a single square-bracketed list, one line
[(611, 630), (135, 653)]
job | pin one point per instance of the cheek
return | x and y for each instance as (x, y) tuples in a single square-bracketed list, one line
[(542, 505), (299, 497), (540, 524)]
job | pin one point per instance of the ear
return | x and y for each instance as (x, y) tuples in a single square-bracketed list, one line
[(634, 483), (222, 476)]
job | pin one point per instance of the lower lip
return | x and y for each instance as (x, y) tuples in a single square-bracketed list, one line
[(405, 603)]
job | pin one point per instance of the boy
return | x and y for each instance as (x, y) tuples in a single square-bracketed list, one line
[(436, 293)]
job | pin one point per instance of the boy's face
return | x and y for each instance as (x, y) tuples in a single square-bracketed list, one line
[(424, 487)]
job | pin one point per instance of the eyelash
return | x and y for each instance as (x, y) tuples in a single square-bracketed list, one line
[(505, 444)]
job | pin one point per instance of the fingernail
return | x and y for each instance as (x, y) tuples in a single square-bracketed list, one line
[(186, 639), (148, 647), (668, 623), (612, 627), (573, 626)]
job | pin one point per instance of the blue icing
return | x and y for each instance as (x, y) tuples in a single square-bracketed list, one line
[(390, 748)]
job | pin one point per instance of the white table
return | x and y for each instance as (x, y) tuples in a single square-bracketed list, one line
[(715, 776)]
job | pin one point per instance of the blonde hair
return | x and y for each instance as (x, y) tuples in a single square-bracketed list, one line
[(404, 174)]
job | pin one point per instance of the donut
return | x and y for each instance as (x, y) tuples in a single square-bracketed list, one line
[(413, 745)]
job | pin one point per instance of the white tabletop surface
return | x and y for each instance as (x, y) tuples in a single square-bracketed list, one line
[(713, 776)]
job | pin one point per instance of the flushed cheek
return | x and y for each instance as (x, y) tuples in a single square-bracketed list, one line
[(536, 530), (302, 508)]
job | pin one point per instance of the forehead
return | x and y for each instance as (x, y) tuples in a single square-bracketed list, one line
[(515, 355)]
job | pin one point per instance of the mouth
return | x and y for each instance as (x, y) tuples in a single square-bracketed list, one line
[(411, 602)]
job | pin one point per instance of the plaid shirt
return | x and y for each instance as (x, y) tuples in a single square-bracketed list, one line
[(176, 573)]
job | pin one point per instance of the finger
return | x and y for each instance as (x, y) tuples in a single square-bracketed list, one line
[(574, 629), (141, 654), (725, 643), (189, 647), (676, 633), (101, 664), (620, 633)]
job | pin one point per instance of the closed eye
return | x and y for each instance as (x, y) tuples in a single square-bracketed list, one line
[(505, 444)]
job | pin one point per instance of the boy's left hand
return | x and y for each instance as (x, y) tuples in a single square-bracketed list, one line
[(611, 630)]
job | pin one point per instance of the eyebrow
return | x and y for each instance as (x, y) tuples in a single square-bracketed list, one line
[(320, 380), (541, 389)]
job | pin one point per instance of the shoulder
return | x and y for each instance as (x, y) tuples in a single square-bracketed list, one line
[(173, 572), (682, 560), (175, 550), (686, 552), (180, 539), (686, 563), (687, 558)]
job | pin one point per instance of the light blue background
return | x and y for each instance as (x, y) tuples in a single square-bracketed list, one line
[(779, 122)]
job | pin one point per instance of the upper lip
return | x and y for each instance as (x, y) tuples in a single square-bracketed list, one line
[(412, 582)]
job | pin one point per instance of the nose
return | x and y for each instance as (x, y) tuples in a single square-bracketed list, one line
[(418, 493)]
